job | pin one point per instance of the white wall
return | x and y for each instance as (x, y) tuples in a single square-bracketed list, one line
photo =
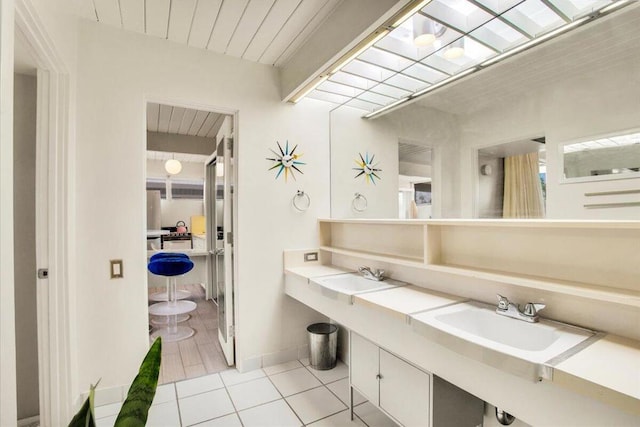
[(350, 136), (8, 411), (113, 313), (190, 170), (24, 160), (490, 187)]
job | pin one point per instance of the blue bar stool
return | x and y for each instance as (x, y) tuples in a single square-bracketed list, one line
[(164, 296), (170, 267)]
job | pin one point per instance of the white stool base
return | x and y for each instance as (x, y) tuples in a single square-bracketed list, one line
[(169, 309), (164, 296), (178, 334), (164, 321)]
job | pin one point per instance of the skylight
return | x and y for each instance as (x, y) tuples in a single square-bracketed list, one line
[(443, 41)]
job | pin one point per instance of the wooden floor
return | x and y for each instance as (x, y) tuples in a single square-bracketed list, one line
[(199, 355)]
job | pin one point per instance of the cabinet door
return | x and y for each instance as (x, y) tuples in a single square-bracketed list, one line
[(364, 367), (404, 391)]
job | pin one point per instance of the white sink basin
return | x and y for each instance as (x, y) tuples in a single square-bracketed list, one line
[(477, 324), (350, 284)]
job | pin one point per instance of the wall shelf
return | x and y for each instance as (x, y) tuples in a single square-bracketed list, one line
[(596, 260), (392, 259)]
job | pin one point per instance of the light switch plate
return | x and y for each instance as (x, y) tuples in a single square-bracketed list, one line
[(116, 269), (310, 256)]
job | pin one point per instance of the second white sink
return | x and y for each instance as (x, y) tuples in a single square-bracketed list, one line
[(350, 284)]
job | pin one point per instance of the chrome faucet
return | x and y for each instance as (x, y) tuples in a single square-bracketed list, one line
[(377, 275), (509, 309)]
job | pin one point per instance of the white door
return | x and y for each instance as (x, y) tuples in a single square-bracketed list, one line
[(364, 367), (224, 247), (404, 391)]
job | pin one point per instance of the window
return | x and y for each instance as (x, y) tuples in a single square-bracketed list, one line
[(179, 188)]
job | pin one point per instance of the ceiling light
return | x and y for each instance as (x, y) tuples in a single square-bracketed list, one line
[(426, 31), (311, 86), (455, 50), (357, 51), (173, 166)]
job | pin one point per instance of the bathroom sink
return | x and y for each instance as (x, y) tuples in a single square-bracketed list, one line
[(478, 325), (349, 284)]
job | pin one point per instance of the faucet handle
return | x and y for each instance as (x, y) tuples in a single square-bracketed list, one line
[(503, 302), (378, 273), (531, 309)]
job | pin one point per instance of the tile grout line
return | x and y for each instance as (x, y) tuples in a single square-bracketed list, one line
[(285, 401)]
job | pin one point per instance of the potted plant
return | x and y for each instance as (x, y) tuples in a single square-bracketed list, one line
[(136, 406)]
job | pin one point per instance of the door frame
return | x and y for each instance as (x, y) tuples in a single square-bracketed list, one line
[(54, 164), (181, 102)]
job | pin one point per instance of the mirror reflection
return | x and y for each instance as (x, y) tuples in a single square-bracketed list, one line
[(574, 88), (612, 157)]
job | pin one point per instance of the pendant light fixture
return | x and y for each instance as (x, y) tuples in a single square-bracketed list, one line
[(426, 31), (455, 50), (173, 166)]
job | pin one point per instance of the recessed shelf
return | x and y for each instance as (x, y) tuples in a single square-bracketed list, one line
[(600, 293), (374, 256), (596, 260)]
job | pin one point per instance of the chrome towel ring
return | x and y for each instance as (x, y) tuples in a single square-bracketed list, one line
[(359, 203), (301, 201)]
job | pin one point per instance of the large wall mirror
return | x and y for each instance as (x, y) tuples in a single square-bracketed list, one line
[(615, 156), (529, 114)]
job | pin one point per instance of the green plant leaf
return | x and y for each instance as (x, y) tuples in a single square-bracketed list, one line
[(140, 396), (85, 416)]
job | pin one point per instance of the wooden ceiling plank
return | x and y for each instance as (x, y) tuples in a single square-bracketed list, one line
[(132, 15), (204, 19), (157, 17), (199, 119), (213, 132), (230, 14), (187, 120), (273, 23), (87, 10), (165, 118), (253, 18), (108, 12), (176, 119), (153, 112), (208, 123), (180, 19), (300, 18), (299, 40)]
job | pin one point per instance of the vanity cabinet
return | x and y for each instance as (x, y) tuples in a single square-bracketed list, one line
[(411, 396)]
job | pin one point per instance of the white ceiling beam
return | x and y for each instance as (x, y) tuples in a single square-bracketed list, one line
[(350, 22)]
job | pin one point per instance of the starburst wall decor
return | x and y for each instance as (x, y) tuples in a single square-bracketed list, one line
[(287, 161), (367, 168)]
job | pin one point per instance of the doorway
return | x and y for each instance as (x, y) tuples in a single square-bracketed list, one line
[(24, 225), (182, 142)]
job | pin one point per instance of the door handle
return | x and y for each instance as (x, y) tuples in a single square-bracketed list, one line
[(219, 251)]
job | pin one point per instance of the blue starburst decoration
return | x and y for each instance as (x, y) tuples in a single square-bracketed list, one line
[(287, 161), (367, 168)]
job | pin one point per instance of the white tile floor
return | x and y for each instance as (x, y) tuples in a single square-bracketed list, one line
[(288, 395)]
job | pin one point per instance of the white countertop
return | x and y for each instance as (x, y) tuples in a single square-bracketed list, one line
[(607, 370), (156, 233)]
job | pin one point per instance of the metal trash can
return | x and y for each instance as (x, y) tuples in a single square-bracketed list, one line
[(323, 340)]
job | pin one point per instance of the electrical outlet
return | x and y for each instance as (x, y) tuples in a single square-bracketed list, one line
[(310, 256), (116, 269)]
